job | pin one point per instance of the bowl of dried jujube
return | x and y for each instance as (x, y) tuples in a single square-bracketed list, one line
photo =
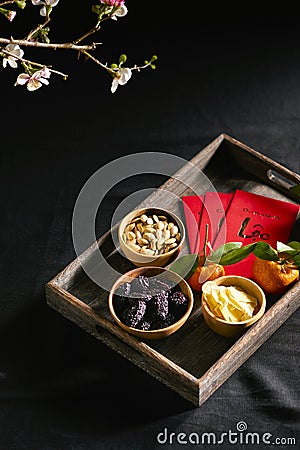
[(150, 302), (151, 236)]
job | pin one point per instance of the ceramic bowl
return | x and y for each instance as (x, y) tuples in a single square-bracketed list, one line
[(165, 275), (234, 329), (141, 260)]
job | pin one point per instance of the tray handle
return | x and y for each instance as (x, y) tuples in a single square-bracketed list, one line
[(281, 181)]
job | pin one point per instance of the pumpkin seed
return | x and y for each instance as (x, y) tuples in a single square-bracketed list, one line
[(147, 251), (170, 241), (144, 218), (174, 230), (149, 236), (143, 241), (130, 235), (133, 246)]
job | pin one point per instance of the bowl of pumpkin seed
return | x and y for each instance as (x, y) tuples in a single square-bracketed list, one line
[(151, 236)]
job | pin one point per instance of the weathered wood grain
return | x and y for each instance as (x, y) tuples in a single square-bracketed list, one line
[(193, 361)]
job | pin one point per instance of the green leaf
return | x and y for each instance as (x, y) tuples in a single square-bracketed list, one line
[(296, 260), (263, 250), (114, 66), (296, 189), (295, 245), (223, 250), (96, 9), (288, 251), (154, 58), (186, 265), (237, 255), (153, 66)]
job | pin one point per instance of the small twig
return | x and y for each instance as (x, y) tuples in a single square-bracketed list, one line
[(110, 70), (138, 68), (205, 242), (88, 33), (38, 28), (27, 61), (104, 66), (65, 46), (7, 2)]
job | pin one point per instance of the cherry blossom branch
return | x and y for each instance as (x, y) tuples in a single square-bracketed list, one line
[(65, 46), (7, 2), (36, 74), (33, 63)]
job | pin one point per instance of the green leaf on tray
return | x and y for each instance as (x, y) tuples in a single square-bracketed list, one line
[(223, 250), (185, 265), (295, 245), (236, 255), (296, 260), (264, 250), (296, 189)]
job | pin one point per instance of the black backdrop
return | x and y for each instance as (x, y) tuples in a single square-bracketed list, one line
[(219, 70)]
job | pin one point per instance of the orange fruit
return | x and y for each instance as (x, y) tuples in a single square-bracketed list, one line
[(206, 272), (272, 277)]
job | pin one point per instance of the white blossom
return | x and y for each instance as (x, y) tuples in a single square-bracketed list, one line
[(122, 76), (120, 12), (15, 50), (35, 81), (45, 4)]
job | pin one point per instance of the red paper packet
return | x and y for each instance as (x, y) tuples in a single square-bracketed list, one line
[(201, 210), (251, 218), (192, 207)]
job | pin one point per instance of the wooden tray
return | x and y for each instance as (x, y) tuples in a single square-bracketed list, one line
[(194, 361)]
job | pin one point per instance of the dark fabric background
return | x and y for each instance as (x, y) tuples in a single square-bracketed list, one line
[(217, 72)]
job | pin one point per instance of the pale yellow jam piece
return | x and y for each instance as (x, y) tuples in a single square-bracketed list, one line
[(230, 303)]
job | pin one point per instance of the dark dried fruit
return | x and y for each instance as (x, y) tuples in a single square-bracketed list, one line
[(178, 304), (149, 303), (144, 325), (140, 284), (135, 313), (178, 300), (159, 285), (160, 305), (141, 296), (164, 323), (120, 304), (124, 289)]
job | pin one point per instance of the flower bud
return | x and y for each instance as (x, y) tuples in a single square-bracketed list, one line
[(122, 59), (20, 3)]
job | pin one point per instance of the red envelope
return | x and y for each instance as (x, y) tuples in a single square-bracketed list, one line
[(251, 218), (201, 210), (192, 207)]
